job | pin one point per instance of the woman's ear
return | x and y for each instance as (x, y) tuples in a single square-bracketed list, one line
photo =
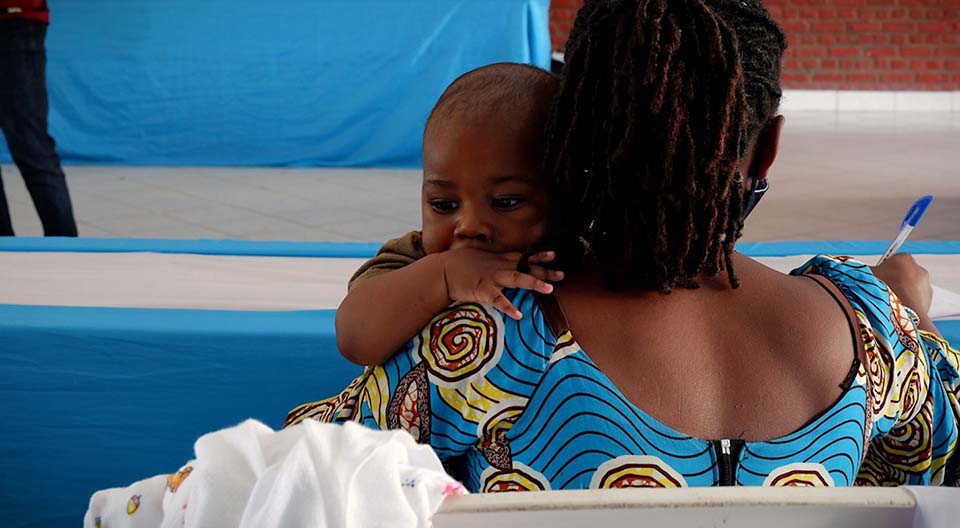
[(768, 144)]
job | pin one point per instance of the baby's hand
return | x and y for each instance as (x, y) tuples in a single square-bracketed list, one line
[(473, 275)]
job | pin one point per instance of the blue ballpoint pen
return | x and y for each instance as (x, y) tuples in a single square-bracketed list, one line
[(909, 222)]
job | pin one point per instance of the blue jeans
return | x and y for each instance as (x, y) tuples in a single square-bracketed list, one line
[(23, 118)]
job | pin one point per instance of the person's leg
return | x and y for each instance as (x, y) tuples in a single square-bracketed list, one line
[(25, 125), (7, 45), (6, 226)]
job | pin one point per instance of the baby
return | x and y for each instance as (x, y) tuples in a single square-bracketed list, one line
[(484, 206)]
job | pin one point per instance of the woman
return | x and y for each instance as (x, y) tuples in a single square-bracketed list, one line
[(666, 358)]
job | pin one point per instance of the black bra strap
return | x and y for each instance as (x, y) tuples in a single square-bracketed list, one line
[(553, 313), (853, 323)]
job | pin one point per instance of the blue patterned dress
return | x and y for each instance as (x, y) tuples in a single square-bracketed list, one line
[(524, 409)]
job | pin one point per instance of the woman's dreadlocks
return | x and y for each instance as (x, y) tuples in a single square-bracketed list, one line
[(660, 100)]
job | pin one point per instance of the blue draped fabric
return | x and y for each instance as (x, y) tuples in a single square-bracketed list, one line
[(242, 82)]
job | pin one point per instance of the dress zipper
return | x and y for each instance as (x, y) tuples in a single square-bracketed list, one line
[(728, 458)]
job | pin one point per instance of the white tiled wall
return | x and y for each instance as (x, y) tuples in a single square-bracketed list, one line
[(870, 101)]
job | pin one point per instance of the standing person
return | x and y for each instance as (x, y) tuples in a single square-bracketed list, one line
[(23, 116)]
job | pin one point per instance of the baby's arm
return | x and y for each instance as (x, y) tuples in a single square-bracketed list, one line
[(381, 313)]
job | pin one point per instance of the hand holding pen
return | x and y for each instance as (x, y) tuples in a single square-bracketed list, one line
[(910, 221)]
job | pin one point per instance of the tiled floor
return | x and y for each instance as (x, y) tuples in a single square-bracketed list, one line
[(839, 176), (853, 176)]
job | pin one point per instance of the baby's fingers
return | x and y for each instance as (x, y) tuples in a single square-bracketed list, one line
[(546, 274), (516, 279), (504, 305), (542, 257)]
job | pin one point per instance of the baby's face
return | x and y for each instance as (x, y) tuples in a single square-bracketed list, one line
[(483, 187)]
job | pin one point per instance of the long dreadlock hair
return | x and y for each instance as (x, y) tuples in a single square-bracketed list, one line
[(659, 102)]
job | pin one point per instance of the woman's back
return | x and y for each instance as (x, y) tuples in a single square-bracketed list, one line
[(755, 363)]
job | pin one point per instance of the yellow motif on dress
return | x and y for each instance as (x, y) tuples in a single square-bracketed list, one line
[(636, 471), (376, 394), (462, 343), (519, 478), (802, 475), (474, 400)]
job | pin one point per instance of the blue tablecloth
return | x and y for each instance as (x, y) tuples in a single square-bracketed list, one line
[(92, 398), (98, 397), (244, 82)]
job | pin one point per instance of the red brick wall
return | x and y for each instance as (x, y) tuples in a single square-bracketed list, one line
[(562, 13), (852, 44)]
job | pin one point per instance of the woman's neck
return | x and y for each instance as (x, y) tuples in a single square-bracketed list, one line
[(592, 277)]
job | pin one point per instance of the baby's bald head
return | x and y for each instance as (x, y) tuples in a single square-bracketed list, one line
[(502, 93)]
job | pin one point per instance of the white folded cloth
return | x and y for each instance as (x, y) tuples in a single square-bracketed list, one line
[(311, 475)]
